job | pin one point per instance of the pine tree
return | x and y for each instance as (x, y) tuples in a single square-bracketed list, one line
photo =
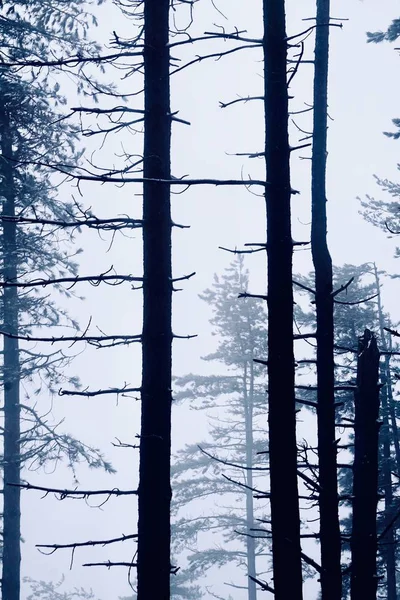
[(390, 35), (390, 457), (227, 467), (357, 307), (384, 214), (28, 105), (50, 590)]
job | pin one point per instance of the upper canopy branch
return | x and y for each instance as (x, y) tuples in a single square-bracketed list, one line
[(94, 280), (90, 221), (67, 170), (73, 61), (90, 394), (68, 493), (210, 35), (95, 340), (73, 545)]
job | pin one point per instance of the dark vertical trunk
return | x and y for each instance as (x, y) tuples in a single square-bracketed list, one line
[(155, 441), (365, 472), (388, 376), (331, 577), (11, 377), (388, 546), (392, 412), (250, 541), (285, 517)]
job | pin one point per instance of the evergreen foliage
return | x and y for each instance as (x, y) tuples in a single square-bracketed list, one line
[(358, 308), (390, 35), (384, 214), (41, 136), (50, 590), (226, 468), (38, 29), (34, 136)]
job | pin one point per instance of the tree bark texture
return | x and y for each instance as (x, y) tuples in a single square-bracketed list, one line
[(11, 562), (388, 547), (155, 441), (287, 568), (364, 542), (331, 576), (388, 434), (388, 376)]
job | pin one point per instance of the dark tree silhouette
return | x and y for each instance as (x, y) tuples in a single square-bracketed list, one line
[(155, 437), (282, 410), (388, 436), (11, 378), (364, 543), (327, 451)]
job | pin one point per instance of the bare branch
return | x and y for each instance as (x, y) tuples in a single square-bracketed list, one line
[(91, 394), (311, 562), (342, 288), (68, 172), (357, 301), (110, 564), (94, 340), (304, 287), (392, 332), (230, 464), (308, 480), (304, 336), (66, 493), (247, 295), (263, 585), (247, 487), (73, 61), (216, 55), (94, 280), (74, 545), (247, 99), (90, 222)]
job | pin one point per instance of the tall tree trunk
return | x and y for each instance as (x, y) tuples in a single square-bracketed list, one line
[(392, 411), (388, 434), (331, 576), (364, 542), (388, 376), (388, 547), (250, 541), (11, 563), (287, 568), (155, 440)]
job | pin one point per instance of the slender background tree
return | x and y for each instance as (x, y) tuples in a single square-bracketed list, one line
[(227, 467)]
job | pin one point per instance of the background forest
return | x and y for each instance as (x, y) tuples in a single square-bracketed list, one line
[(198, 299)]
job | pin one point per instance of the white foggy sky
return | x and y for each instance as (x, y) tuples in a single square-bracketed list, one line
[(363, 99)]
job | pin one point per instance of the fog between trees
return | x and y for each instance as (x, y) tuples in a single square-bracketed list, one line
[(217, 305)]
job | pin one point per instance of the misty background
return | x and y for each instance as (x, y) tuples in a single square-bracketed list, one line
[(363, 98)]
